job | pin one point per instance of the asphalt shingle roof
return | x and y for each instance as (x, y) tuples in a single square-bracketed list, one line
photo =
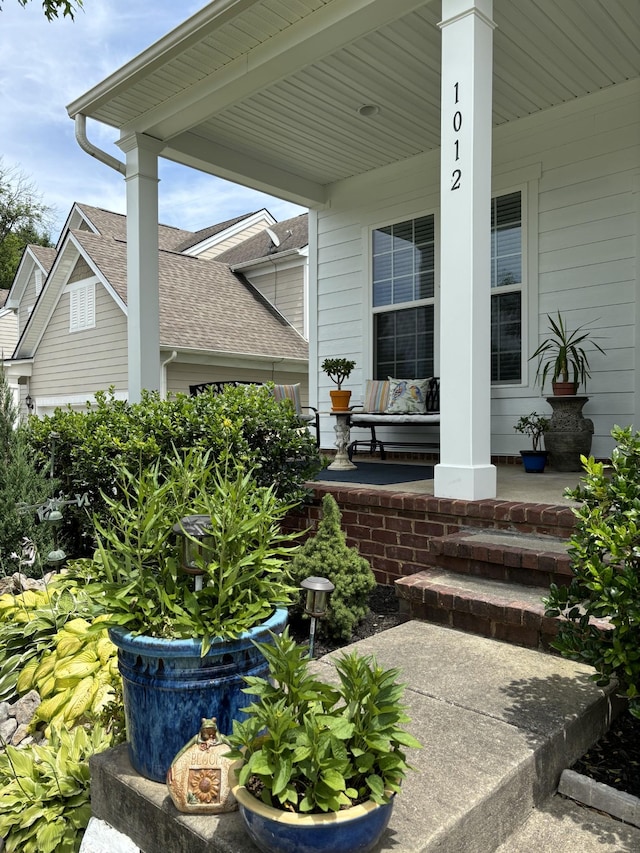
[(292, 233), (115, 224)]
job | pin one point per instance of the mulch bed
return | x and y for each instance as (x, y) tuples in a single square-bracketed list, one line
[(614, 760)]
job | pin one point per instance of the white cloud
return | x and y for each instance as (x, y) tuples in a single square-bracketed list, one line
[(46, 65)]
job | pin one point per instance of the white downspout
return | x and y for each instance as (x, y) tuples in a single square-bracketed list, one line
[(94, 151), (163, 374)]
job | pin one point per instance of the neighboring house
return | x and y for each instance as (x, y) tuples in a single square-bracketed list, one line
[(215, 324), (470, 167), (8, 328)]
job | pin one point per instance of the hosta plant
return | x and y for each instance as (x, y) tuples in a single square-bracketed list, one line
[(312, 746), (605, 562), (44, 792)]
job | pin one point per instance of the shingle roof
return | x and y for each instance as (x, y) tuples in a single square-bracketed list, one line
[(3, 297), (46, 255), (115, 224), (203, 305), (292, 233), (204, 233)]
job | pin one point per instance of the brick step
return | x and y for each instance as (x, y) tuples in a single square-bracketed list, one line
[(510, 612), (529, 560)]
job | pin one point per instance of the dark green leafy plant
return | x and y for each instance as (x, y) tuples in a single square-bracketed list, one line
[(563, 354), (246, 422), (338, 369), (44, 792), (311, 746), (605, 562), (135, 578), (326, 554), (535, 426)]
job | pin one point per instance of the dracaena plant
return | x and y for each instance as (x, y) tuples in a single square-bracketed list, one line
[(312, 746), (135, 577), (563, 354)]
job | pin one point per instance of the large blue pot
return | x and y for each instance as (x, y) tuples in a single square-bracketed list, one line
[(354, 830), (168, 688)]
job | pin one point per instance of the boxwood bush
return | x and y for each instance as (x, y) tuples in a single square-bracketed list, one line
[(93, 444)]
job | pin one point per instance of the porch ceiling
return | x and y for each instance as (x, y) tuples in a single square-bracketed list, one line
[(266, 92)]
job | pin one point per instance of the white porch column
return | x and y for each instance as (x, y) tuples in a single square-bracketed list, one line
[(143, 298), (465, 470)]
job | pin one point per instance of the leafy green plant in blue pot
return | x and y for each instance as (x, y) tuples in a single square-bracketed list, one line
[(534, 425), (318, 762), (185, 641)]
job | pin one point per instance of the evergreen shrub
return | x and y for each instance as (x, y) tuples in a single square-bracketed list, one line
[(326, 554), (605, 561)]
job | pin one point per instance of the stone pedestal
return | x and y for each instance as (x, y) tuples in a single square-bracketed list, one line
[(569, 434)]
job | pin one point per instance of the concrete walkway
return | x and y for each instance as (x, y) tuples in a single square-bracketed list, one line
[(499, 723)]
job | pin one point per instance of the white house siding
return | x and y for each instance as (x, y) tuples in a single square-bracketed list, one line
[(284, 288), (180, 375), (27, 301), (579, 166), (71, 364)]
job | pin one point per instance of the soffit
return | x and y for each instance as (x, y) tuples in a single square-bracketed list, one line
[(302, 121)]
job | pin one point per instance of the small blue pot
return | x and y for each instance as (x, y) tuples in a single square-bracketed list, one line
[(168, 688), (354, 830), (534, 461)]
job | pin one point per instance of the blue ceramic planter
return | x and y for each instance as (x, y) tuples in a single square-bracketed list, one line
[(534, 461), (168, 688), (354, 830)]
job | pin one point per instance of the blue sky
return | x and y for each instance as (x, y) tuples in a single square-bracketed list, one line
[(44, 66)]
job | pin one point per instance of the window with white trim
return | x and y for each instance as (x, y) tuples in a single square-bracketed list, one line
[(82, 307), (403, 266), (506, 286)]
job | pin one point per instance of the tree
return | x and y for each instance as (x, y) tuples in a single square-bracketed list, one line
[(52, 8), (24, 219)]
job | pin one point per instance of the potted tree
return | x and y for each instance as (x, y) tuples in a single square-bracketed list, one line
[(319, 763), (563, 356), (535, 426), (338, 369), (185, 630)]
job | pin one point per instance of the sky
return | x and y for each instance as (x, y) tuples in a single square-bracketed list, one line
[(46, 65)]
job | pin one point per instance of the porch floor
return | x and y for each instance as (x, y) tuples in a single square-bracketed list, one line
[(513, 484)]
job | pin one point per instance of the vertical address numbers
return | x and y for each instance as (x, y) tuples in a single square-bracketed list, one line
[(456, 175)]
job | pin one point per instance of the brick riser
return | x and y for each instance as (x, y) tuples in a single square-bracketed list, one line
[(395, 531)]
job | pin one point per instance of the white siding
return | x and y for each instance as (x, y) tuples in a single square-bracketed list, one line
[(8, 333), (27, 302), (234, 240), (69, 364), (579, 165)]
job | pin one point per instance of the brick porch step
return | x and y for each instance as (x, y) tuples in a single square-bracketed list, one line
[(530, 560), (510, 612)]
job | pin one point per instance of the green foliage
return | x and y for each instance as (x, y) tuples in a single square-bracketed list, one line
[(327, 555), (246, 422), (135, 578), (20, 483), (314, 747), (338, 369), (44, 792), (28, 625), (563, 354), (605, 562), (24, 218), (535, 426)]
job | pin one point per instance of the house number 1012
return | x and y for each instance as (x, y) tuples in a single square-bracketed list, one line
[(456, 175)]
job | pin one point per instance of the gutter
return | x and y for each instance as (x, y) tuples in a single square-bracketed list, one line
[(163, 374), (255, 262), (93, 150)]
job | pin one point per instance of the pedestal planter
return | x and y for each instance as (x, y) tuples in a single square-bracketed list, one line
[(168, 689), (569, 434), (354, 830)]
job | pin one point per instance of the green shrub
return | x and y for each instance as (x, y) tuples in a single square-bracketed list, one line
[(605, 561), (95, 444), (326, 554), (20, 483)]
